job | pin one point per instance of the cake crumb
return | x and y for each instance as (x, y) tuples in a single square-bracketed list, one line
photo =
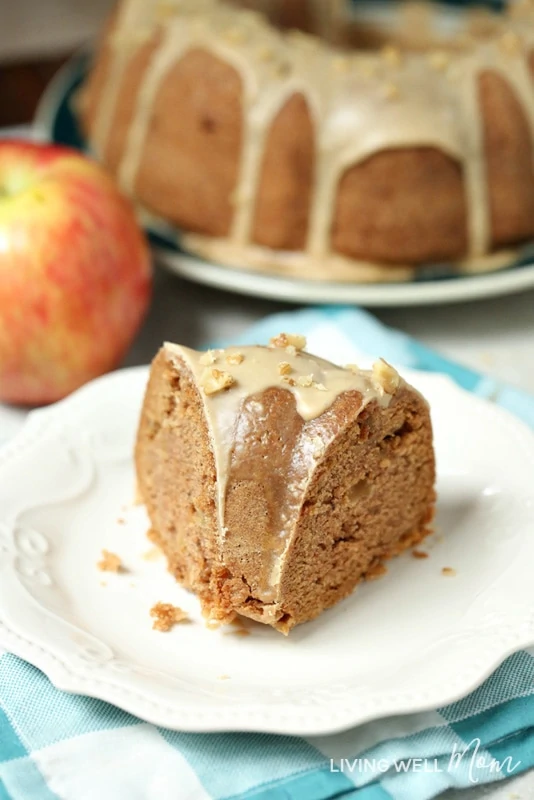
[(152, 555), (239, 628), (305, 381), (419, 554), (103, 583), (320, 387), (121, 521), (166, 616), (213, 624), (110, 562), (208, 358), (223, 678), (376, 572), (284, 368), (449, 571), (235, 359), (318, 447), (216, 380), (285, 340)]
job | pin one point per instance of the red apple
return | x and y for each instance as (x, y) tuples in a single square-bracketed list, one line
[(75, 272)]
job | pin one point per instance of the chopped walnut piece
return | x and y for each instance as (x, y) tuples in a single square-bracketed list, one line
[(290, 381), (216, 380), (386, 376), (291, 350), (305, 381), (449, 571), (288, 340), (110, 562), (284, 368), (234, 359), (419, 554), (166, 616), (320, 386), (208, 358)]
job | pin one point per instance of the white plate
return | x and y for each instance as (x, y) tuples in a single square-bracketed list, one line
[(413, 640), (56, 120)]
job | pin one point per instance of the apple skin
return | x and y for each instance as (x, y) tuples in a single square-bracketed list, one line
[(75, 272)]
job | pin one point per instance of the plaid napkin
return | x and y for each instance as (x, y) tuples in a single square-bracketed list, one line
[(56, 745)]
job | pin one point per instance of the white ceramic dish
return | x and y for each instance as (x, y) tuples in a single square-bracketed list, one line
[(413, 640), (56, 120)]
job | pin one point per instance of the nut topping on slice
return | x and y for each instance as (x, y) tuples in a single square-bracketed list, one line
[(235, 359), (216, 380), (305, 380), (284, 368), (286, 340), (290, 381), (208, 358), (386, 376)]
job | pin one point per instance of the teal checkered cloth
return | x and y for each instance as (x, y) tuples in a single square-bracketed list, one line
[(56, 745)]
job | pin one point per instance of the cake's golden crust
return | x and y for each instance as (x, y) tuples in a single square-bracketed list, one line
[(286, 183), (190, 161), (508, 147), (402, 205)]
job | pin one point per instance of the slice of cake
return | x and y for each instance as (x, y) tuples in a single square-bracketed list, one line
[(275, 481)]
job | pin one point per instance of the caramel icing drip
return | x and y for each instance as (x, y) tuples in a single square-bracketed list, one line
[(361, 102), (228, 379)]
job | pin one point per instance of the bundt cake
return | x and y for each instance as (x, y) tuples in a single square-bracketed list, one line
[(279, 149), (276, 481)]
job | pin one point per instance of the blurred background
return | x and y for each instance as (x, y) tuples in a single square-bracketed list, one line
[(36, 37)]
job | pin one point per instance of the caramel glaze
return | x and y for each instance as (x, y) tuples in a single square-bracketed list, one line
[(277, 424), (360, 102)]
